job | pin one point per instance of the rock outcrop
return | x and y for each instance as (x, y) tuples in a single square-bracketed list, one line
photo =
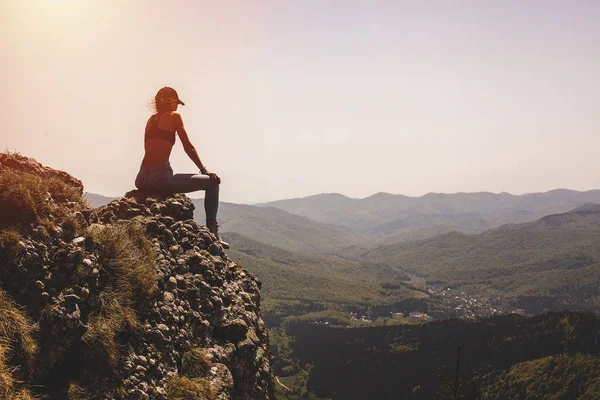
[(132, 300)]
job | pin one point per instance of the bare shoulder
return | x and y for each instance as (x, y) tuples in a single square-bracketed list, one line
[(149, 122), (176, 120)]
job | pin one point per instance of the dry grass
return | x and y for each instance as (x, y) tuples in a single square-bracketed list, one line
[(195, 363), (14, 329), (181, 388), (25, 199), (9, 244), (76, 392), (110, 318), (15, 326), (23, 394), (6, 379), (128, 255)]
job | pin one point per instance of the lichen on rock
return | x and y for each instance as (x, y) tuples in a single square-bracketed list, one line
[(129, 300)]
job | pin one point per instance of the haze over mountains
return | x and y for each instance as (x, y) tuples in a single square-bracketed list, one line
[(97, 200), (272, 226), (399, 217), (332, 223), (282, 229)]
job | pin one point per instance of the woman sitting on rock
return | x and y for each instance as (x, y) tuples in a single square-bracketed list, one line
[(155, 172)]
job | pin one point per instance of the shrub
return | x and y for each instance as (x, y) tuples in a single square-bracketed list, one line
[(26, 199), (20, 197), (41, 233), (181, 388)]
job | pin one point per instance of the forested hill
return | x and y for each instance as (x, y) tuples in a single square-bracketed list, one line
[(556, 256), (551, 356), (299, 283), (281, 229)]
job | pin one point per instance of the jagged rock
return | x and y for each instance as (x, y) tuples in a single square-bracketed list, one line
[(222, 381), (234, 331), (94, 329)]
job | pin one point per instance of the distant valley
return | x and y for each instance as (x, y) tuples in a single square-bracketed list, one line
[(355, 291), (555, 260), (550, 262)]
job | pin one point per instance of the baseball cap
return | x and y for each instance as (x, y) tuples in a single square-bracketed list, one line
[(169, 93)]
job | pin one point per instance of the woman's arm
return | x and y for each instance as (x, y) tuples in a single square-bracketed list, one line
[(189, 148)]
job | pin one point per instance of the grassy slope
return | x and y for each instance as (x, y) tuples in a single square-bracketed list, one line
[(291, 279)]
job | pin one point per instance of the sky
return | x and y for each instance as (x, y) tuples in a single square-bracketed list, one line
[(289, 99)]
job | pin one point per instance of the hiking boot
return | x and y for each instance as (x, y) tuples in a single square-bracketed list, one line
[(213, 227)]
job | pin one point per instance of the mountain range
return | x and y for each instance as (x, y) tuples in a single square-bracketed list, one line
[(389, 218), (333, 223)]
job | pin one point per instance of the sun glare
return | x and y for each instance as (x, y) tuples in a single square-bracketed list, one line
[(66, 3)]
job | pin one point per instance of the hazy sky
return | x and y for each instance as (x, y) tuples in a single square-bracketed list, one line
[(293, 98)]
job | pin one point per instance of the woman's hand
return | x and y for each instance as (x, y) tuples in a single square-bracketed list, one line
[(214, 177)]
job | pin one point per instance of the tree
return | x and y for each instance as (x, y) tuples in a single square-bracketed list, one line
[(453, 390)]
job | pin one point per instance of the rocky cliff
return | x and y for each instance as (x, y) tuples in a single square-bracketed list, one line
[(132, 300)]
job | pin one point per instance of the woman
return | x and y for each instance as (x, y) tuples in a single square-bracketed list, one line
[(156, 173)]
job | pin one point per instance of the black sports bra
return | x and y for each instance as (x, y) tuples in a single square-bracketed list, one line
[(154, 132)]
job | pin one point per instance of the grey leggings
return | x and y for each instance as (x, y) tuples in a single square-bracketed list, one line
[(161, 178)]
